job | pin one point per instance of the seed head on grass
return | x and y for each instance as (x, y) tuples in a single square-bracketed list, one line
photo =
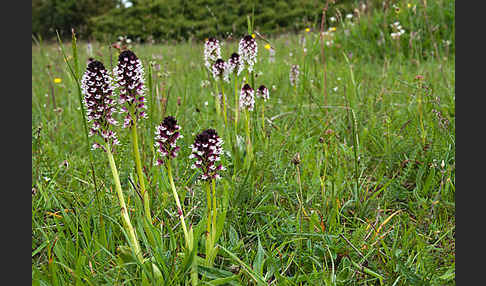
[(97, 88), (207, 152), (247, 97), (263, 92), (166, 136), (248, 50), (129, 75), (212, 52)]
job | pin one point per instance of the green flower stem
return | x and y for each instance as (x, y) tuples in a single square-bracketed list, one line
[(211, 224), (248, 136), (209, 234), (263, 119), (178, 203), (224, 105), (124, 212), (216, 101), (138, 164), (208, 197), (237, 105), (213, 234)]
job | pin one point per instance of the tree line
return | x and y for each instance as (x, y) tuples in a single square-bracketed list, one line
[(163, 20)]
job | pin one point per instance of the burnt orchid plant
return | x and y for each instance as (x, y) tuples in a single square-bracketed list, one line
[(207, 150), (294, 77), (234, 68), (220, 74), (248, 51), (166, 136), (130, 84), (263, 93), (212, 52), (97, 88), (247, 103)]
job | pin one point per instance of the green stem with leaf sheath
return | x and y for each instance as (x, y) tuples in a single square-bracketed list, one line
[(224, 105), (216, 100), (138, 165), (237, 105), (263, 118), (208, 198), (213, 236), (249, 154), (178, 203), (124, 212)]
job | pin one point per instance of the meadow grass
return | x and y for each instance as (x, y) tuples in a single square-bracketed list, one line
[(354, 185)]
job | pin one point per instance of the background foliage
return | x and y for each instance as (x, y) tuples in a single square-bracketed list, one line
[(162, 21)]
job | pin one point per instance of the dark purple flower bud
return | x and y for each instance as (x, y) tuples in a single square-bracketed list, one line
[(207, 152), (247, 97), (166, 135), (129, 76), (263, 92), (235, 65), (248, 49), (220, 70), (212, 52), (97, 88)]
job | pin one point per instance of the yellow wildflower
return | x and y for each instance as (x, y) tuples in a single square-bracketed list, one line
[(253, 36), (268, 47), (57, 80), (307, 30), (409, 5), (332, 29)]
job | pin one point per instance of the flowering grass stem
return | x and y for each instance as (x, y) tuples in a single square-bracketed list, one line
[(74, 70)]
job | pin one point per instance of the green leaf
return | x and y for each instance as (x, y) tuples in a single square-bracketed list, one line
[(259, 259), (218, 276), (255, 276)]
